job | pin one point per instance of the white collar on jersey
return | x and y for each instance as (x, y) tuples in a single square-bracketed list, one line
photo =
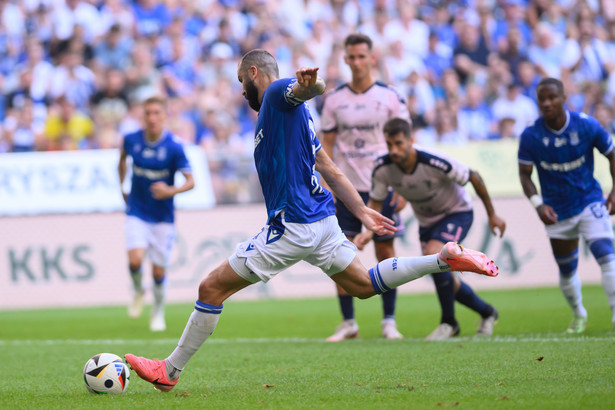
[(561, 131)]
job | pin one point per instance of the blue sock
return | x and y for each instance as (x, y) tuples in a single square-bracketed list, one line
[(445, 287), (347, 306), (466, 296), (388, 303)]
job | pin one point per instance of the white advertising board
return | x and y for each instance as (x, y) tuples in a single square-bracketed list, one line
[(80, 260), (81, 182)]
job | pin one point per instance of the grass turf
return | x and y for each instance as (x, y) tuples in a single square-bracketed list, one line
[(271, 354)]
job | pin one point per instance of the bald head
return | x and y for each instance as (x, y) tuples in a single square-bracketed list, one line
[(261, 59)]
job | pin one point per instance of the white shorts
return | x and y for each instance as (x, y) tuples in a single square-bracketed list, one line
[(156, 238), (593, 223), (274, 249)]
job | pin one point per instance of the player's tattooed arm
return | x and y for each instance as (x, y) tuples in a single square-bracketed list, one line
[(308, 84)]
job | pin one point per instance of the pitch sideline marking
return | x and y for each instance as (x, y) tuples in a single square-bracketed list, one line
[(495, 339)]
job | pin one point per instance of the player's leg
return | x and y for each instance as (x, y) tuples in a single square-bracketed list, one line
[(445, 289), (162, 237), (213, 291), (136, 232), (384, 250), (566, 253), (596, 227), (564, 238), (465, 295), (351, 226)]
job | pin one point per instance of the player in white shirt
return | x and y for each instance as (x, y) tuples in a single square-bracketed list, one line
[(433, 184), (351, 121)]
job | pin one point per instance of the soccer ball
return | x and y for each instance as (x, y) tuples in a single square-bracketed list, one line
[(106, 373)]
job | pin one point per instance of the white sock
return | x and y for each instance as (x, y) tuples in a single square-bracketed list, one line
[(199, 327), (159, 291), (137, 279), (608, 283), (392, 272), (571, 288)]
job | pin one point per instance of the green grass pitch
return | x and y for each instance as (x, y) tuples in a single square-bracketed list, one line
[(272, 355)]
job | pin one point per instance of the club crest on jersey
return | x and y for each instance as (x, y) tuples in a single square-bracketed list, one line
[(161, 154), (545, 141), (574, 138)]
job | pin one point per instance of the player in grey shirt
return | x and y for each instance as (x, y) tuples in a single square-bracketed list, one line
[(433, 184)]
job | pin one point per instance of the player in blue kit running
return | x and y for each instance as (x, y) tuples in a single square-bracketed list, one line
[(560, 145), (156, 157), (301, 222)]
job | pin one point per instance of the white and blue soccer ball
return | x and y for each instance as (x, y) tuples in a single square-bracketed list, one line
[(106, 373)]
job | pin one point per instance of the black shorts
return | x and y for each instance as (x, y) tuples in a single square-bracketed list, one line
[(351, 225)]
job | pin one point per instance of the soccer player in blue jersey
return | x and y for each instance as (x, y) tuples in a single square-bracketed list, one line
[(560, 145), (157, 155), (301, 222)]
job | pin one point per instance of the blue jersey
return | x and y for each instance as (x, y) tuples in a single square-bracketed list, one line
[(153, 162), (565, 161), (285, 146)]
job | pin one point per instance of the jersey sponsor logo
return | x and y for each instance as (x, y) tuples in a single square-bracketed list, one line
[(560, 142), (258, 138), (149, 153), (150, 173), (564, 166)]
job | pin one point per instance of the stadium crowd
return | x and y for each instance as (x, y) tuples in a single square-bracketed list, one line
[(74, 72)]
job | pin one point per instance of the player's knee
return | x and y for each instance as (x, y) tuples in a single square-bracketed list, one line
[(567, 263), (134, 266), (602, 249)]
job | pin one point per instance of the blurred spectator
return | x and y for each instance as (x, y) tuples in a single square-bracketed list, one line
[(447, 128), (550, 53), (22, 131), (114, 50), (516, 107), (439, 58), (594, 63), (70, 13), (143, 78), (527, 78), (412, 32), (73, 80), (514, 20), (399, 65), (110, 103), (470, 56), (474, 115), (66, 127), (151, 17)]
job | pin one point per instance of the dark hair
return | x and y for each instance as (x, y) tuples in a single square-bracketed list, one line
[(551, 81), (396, 125), (262, 59), (358, 38)]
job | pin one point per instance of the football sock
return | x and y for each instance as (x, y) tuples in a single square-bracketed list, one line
[(392, 272), (159, 291), (200, 326), (137, 278), (388, 303), (608, 283), (571, 288), (445, 288), (466, 296), (347, 306)]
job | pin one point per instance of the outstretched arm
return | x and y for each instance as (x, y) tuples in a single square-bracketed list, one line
[(481, 190), (345, 192), (309, 84), (545, 212)]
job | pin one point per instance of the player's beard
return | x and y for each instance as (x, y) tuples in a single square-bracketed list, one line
[(252, 95)]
